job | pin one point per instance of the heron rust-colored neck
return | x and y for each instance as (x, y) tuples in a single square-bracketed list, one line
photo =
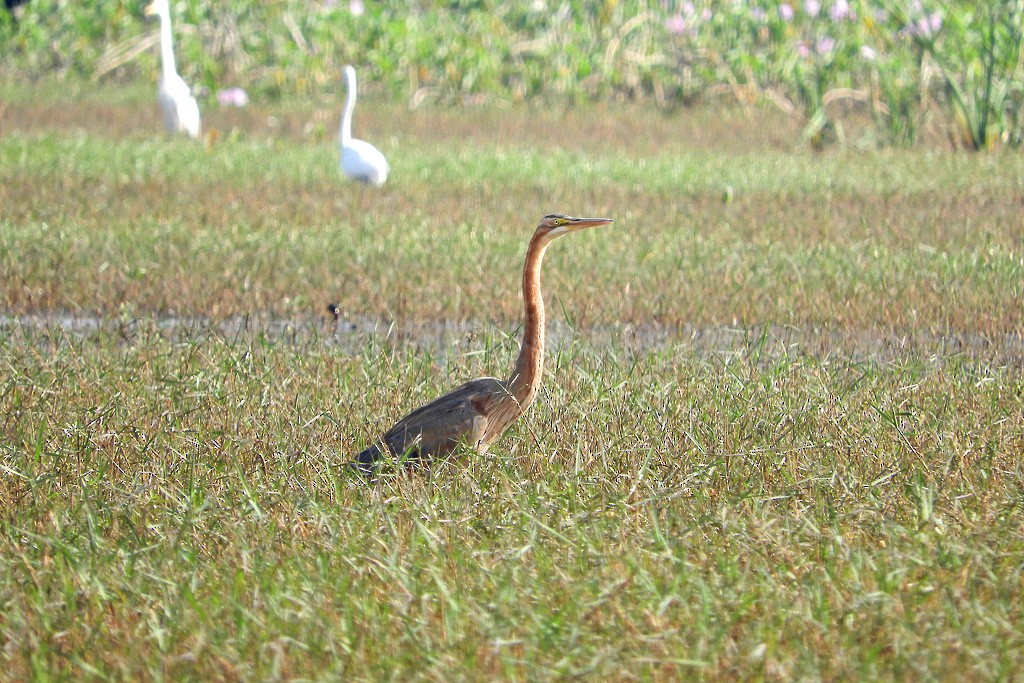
[(526, 378)]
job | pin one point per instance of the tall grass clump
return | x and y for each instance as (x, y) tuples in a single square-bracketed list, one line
[(980, 56)]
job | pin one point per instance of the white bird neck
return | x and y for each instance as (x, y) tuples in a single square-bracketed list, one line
[(166, 44), (350, 105)]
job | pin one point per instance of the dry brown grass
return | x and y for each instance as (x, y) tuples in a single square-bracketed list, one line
[(844, 249)]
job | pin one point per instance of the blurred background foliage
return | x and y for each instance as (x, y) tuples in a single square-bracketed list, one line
[(897, 63)]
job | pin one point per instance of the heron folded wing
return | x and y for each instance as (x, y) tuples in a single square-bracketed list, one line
[(438, 428)]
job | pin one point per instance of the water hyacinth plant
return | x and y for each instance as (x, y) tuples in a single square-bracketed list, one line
[(980, 54), (956, 63)]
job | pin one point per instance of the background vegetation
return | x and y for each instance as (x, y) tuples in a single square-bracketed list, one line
[(956, 66)]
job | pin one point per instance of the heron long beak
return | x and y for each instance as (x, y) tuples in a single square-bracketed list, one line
[(580, 223)]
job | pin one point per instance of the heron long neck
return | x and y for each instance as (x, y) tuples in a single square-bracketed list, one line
[(167, 45), (350, 105), (526, 378)]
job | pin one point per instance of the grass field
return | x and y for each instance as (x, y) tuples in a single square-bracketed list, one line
[(780, 436)]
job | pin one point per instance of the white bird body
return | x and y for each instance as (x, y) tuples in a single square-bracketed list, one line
[(179, 107), (360, 160)]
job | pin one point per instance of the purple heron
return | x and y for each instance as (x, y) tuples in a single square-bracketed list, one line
[(479, 411)]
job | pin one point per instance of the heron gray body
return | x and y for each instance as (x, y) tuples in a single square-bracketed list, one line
[(472, 415)]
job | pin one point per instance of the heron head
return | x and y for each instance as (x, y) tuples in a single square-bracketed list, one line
[(557, 224), (155, 7)]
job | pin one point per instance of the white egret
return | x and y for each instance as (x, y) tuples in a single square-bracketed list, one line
[(180, 109), (360, 160)]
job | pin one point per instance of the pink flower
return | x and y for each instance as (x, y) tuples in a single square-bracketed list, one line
[(356, 8), (812, 7), (841, 10), (803, 50), (824, 45), (676, 24), (868, 52), (786, 12), (232, 97), (925, 27), (688, 9)]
